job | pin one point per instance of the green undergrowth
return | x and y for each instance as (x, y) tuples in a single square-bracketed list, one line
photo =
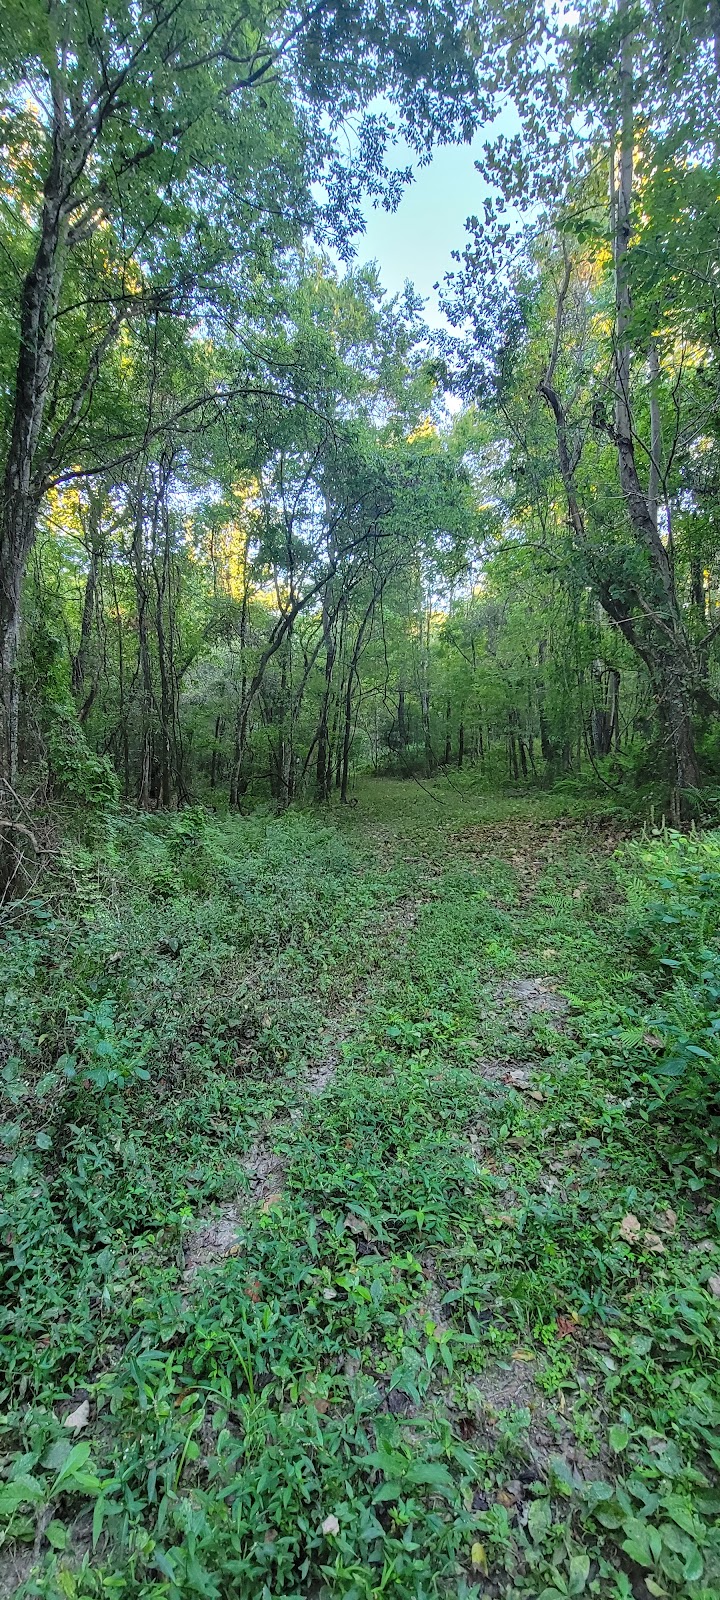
[(468, 1345)]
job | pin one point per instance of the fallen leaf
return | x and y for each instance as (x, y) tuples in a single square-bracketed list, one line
[(630, 1229), (78, 1418), (652, 1241), (713, 1284), (330, 1525), (356, 1225), (478, 1558)]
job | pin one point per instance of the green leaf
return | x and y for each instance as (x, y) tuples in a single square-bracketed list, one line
[(539, 1519), (579, 1572), (693, 1565), (57, 1534), (561, 1475), (24, 1490), (680, 1513), (431, 1474), (619, 1437), (638, 1550)]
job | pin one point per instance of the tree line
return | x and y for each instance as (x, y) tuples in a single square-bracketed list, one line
[(244, 548)]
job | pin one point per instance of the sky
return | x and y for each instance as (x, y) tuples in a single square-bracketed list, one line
[(416, 241)]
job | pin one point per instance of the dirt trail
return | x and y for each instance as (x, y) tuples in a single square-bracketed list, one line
[(215, 1237), (506, 1387)]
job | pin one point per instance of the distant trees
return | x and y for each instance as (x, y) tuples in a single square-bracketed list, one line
[(241, 547), (158, 159)]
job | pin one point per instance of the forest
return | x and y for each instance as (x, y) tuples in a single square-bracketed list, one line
[(359, 803)]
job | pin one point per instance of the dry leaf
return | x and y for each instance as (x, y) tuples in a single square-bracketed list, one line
[(630, 1229), (356, 1225), (478, 1558), (330, 1525), (79, 1418), (713, 1284), (653, 1242)]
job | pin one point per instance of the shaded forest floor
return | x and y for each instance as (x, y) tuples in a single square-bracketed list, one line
[(354, 1243)]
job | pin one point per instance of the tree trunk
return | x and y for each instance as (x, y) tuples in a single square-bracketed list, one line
[(219, 730), (21, 489), (427, 740), (401, 724), (80, 658), (146, 731), (323, 764), (546, 744), (667, 643)]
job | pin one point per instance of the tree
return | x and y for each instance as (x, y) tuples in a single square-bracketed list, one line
[(589, 318), (149, 146)]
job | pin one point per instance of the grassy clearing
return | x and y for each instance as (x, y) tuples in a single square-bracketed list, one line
[(450, 1068)]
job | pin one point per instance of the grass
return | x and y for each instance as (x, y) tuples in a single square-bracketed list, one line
[(461, 1336)]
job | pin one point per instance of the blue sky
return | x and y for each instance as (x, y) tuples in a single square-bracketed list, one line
[(416, 241)]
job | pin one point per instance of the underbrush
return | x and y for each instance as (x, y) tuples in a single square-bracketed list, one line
[(469, 1346)]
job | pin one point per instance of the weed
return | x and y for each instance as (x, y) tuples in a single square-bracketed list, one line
[(471, 1340)]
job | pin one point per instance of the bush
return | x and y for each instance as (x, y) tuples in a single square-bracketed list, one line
[(675, 900)]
